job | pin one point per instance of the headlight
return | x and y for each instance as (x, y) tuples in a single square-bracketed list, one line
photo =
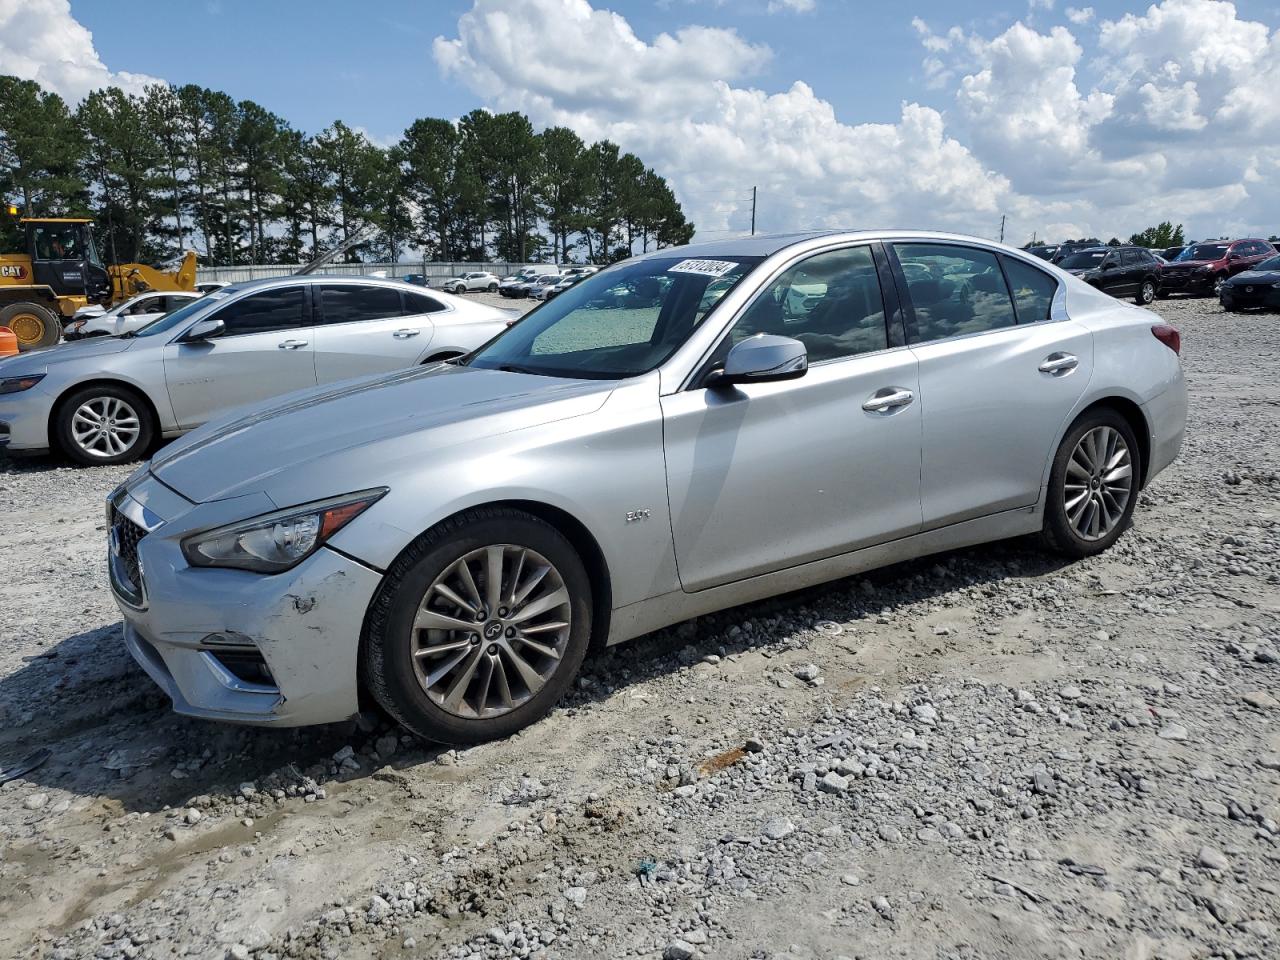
[(1205, 268), (18, 384), (277, 541)]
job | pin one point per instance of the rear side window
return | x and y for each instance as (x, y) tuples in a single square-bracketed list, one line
[(1033, 290), (351, 303), (280, 309), (416, 303), (953, 291)]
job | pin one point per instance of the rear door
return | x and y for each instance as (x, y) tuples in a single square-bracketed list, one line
[(266, 350), (370, 328), (998, 376)]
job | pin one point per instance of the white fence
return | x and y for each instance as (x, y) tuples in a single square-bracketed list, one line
[(434, 271)]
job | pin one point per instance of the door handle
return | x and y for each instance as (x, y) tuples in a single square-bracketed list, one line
[(890, 398), (292, 344), (405, 334), (1059, 364)]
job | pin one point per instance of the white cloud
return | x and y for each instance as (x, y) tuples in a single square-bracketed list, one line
[(677, 101), (791, 6), (40, 40), (1079, 15)]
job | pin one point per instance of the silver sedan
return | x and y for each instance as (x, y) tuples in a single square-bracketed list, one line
[(452, 541), (106, 400)]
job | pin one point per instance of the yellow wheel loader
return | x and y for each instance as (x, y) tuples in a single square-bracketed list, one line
[(60, 271)]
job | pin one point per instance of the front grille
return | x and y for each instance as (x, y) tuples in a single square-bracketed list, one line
[(125, 569)]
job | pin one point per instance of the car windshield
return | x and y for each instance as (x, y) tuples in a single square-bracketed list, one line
[(1083, 260), (171, 320), (1271, 263), (1204, 251), (618, 323)]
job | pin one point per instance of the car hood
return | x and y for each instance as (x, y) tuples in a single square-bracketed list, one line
[(319, 442), (1256, 276), (35, 361)]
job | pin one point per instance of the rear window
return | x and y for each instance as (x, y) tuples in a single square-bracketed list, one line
[(1033, 290), (351, 303), (416, 303)]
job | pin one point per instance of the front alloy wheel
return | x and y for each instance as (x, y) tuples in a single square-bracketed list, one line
[(479, 627), (1093, 485), (1217, 285), (104, 425)]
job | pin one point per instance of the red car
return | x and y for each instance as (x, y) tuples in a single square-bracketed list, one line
[(1204, 267)]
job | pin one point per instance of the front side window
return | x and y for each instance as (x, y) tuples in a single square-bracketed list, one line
[(1033, 290), (830, 302), (146, 305), (619, 323), (953, 290), (279, 309), (60, 241), (351, 303)]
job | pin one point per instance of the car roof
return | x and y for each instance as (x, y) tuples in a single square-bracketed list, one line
[(268, 283), (765, 245)]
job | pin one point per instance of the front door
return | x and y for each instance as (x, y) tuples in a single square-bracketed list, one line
[(766, 476), (57, 257), (265, 351), (996, 382)]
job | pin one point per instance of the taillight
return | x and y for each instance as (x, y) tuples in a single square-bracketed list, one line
[(1169, 336)]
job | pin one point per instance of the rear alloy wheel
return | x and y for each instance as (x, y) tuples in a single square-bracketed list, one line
[(33, 325), (104, 425), (1218, 281), (492, 288), (1094, 485), (1146, 292), (480, 628)]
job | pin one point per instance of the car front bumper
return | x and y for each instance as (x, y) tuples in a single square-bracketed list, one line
[(24, 420), (1250, 296), (232, 645), (1186, 283)]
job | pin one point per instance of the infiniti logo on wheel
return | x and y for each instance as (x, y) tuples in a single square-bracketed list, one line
[(492, 630)]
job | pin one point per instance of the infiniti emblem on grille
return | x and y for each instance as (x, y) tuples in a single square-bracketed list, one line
[(1248, 289)]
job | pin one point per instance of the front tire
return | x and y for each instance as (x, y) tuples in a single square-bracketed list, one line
[(1146, 293), (1218, 281), (103, 425), (492, 288), (1093, 486), (479, 628)]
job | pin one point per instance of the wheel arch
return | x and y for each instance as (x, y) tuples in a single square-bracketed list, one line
[(55, 410), (1133, 415)]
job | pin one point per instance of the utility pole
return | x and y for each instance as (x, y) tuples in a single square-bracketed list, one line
[(1002, 228), (753, 211)]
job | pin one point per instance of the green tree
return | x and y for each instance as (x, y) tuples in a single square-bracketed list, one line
[(1164, 234), (562, 184), (351, 163), (40, 154), (258, 149), (163, 119), (431, 165)]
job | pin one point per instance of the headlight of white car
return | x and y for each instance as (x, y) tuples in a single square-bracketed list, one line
[(277, 541)]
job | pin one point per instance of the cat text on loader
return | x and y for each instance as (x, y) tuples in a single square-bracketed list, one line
[(60, 271)]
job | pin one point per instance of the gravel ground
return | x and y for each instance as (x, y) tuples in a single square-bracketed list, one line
[(983, 754)]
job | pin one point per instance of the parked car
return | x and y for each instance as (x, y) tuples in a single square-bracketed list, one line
[(133, 314), (208, 286), (476, 280), (417, 279), (1259, 286), (450, 542), (1204, 267), (556, 286), (1171, 253), (1045, 251), (538, 287), (1071, 246), (107, 399), (1120, 271), (519, 285)]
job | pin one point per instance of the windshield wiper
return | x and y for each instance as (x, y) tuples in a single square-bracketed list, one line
[(516, 368)]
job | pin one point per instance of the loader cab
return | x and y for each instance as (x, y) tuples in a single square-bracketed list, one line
[(65, 257)]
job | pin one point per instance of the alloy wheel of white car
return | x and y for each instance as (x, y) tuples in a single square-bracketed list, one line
[(1092, 484)]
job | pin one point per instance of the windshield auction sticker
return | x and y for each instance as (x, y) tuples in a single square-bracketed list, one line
[(708, 268)]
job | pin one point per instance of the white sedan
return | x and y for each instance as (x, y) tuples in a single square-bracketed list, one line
[(133, 314)]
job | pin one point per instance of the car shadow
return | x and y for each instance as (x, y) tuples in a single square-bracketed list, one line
[(111, 731)]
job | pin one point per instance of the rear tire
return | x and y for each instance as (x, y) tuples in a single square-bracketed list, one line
[(493, 673), (492, 288), (103, 425), (1093, 486), (1146, 293), (34, 326)]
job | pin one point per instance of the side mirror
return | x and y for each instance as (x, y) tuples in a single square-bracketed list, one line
[(763, 358), (1109, 265), (1235, 256), (204, 330)]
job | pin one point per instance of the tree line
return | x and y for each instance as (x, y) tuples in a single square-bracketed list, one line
[(178, 168)]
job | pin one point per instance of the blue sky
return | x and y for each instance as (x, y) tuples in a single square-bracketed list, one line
[(369, 63), (1066, 117)]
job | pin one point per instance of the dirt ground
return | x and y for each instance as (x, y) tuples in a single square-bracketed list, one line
[(983, 754)]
